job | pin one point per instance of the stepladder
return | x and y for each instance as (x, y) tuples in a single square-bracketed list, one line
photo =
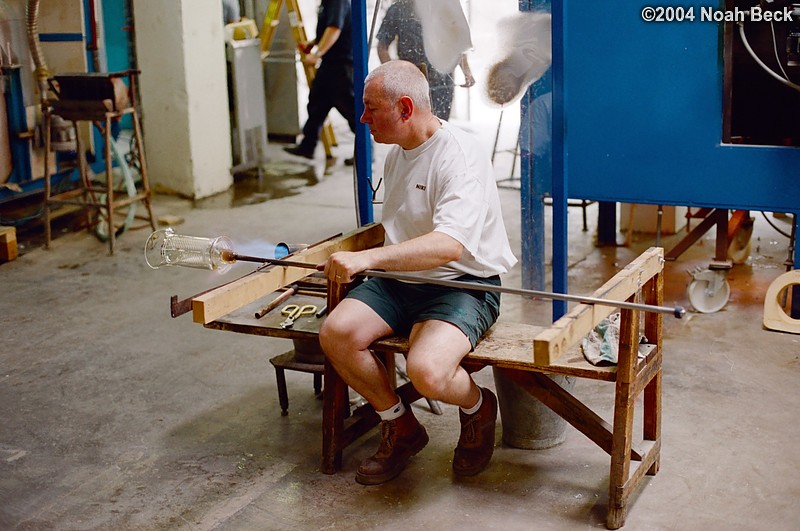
[(267, 35)]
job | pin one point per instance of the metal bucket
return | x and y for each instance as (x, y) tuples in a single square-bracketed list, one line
[(526, 422)]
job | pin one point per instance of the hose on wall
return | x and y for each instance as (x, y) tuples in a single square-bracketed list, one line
[(32, 26)]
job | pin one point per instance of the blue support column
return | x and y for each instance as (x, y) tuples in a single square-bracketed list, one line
[(560, 154), (17, 124), (794, 312), (536, 171), (117, 38), (363, 155), (796, 225), (531, 204)]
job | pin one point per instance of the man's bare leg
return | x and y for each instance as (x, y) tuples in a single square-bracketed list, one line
[(435, 354), (434, 363), (345, 338)]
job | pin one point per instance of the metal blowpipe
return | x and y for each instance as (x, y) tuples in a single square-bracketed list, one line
[(677, 311)]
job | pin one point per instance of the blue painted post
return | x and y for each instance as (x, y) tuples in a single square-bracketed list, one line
[(796, 222), (117, 36), (531, 204), (560, 154), (535, 176), (363, 155), (17, 124)]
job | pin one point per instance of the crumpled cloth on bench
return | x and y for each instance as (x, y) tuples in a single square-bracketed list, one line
[(601, 346)]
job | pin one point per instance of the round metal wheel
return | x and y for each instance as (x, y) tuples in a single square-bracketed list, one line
[(705, 302)]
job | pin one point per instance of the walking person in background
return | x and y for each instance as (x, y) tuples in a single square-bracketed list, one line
[(332, 88)]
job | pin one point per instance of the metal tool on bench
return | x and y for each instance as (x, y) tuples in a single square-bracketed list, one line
[(280, 299), (294, 312)]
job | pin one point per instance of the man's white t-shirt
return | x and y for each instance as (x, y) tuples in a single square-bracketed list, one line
[(447, 185)]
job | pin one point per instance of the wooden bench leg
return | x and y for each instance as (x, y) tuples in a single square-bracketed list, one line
[(283, 395), (620, 456), (334, 410), (317, 384), (653, 328), (619, 487), (652, 419)]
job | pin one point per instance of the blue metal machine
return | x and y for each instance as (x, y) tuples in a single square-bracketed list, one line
[(638, 117)]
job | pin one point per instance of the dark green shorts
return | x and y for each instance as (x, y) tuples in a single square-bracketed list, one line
[(402, 305)]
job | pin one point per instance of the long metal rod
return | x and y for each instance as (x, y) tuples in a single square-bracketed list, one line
[(234, 257), (677, 311)]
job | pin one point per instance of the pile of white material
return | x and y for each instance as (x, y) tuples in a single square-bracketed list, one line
[(526, 50), (524, 46), (445, 32)]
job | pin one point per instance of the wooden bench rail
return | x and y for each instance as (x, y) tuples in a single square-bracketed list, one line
[(578, 322)]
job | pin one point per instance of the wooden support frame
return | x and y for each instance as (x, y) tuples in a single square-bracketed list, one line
[(714, 217), (508, 347)]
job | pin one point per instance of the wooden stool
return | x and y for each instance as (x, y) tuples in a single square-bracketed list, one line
[(99, 98), (289, 360)]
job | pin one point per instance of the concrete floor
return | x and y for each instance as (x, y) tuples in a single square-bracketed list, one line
[(116, 416)]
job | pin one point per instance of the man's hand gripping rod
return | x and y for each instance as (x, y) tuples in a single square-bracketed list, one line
[(677, 311)]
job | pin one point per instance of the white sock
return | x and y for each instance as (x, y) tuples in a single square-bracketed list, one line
[(474, 409), (393, 412)]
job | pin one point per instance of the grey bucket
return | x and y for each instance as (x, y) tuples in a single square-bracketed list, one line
[(526, 422)]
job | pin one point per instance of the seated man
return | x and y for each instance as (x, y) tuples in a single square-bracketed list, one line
[(442, 219)]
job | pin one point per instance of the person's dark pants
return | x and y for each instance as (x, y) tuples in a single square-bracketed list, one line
[(442, 99), (332, 88)]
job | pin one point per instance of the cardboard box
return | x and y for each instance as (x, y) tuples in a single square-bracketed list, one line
[(644, 218), (8, 244)]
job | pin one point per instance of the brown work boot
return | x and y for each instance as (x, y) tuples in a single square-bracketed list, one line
[(401, 438), (476, 444)]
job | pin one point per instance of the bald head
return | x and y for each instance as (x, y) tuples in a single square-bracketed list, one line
[(397, 105), (402, 78)]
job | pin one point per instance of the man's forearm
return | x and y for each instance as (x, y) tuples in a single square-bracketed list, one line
[(328, 39), (418, 254), (383, 53)]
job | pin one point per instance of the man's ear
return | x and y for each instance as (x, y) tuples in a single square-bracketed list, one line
[(406, 107)]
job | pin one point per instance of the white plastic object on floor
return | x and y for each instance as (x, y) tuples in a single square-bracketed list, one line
[(775, 318), (709, 290)]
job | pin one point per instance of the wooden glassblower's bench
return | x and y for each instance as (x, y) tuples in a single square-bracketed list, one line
[(525, 353)]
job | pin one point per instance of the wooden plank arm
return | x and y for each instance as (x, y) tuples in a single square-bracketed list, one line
[(562, 335), (225, 299)]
